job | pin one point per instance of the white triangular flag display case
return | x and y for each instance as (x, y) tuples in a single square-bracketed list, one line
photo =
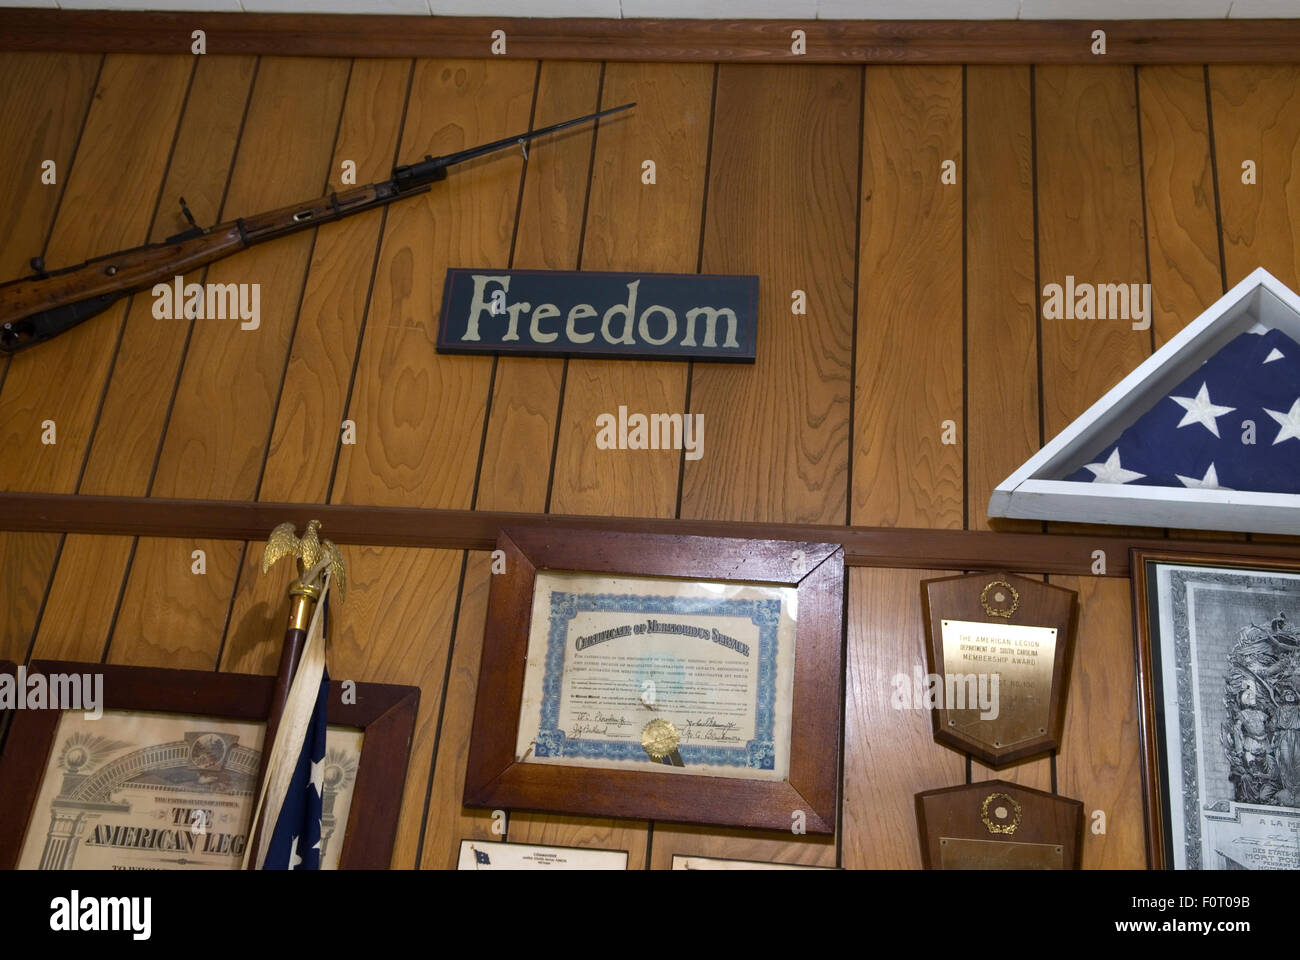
[(1098, 470)]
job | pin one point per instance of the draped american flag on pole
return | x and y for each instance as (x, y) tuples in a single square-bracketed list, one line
[(1233, 424), (296, 838)]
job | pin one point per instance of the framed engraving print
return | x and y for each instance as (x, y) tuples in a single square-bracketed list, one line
[(162, 773), (661, 677), (1218, 651)]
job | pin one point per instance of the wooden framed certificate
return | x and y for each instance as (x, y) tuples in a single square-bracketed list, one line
[(661, 677), (162, 774)]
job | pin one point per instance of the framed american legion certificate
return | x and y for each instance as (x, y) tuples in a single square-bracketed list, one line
[(631, 674), (162, 774)]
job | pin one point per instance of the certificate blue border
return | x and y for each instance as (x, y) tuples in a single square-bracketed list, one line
[(758, 754)]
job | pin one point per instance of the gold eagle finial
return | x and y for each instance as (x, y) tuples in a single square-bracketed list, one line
[(313, 554)]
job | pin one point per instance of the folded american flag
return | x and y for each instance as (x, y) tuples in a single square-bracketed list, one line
[(1201, 435)]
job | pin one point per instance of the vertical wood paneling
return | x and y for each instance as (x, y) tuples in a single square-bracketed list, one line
[(1182, 221), (309, 415), (117, 172), (520, 435), (1089, 227), (1099, 758), (139, 396), (83, 595), (1257, 117), (26, 561), (1001, 309), (419, 414), (217, 430), (889, 754), (217, 435), (782, 205), (63, 380), (909, 343), (632, 225), (172, 616), (448, 822), (47, 96)]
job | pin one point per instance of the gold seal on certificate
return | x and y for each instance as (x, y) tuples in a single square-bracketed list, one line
[(659, 739)]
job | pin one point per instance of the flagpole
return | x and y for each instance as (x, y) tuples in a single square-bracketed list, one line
[(314, 556), (302, 603)]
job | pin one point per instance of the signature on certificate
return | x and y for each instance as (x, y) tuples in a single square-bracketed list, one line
[(710, 729)]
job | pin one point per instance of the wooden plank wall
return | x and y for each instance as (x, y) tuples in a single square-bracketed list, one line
[(921, 318)]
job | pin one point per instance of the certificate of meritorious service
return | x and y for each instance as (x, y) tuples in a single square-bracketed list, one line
[(713, 662)]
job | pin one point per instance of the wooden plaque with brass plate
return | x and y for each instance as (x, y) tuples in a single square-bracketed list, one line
[(995, 825), (999, 648)]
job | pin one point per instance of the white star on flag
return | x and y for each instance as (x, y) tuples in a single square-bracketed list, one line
[(1290, 422), (1201, 410), (1275, 355), (1112, 472), (1208, 482), (294, 859), (317, 778)]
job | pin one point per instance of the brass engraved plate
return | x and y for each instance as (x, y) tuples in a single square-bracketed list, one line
[(961, 853), (1020, 658)]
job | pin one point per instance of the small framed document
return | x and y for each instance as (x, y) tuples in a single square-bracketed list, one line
[(478, 855), (1218, 645), (661, 677), (682, 862)]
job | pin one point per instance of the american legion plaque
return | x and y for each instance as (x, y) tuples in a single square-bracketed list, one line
[(998, 647), (995, 825)]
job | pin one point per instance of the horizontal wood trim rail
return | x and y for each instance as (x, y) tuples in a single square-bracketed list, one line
[(477, 530), (767, 41)]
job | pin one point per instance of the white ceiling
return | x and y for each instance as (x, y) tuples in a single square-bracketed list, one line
[(733, 10)]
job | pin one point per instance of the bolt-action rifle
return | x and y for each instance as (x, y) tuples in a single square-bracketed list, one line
[(34, 309)]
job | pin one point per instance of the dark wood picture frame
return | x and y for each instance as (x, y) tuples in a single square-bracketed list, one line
[(495, 779), (1038, 604), (1155, 794), (385, 712)]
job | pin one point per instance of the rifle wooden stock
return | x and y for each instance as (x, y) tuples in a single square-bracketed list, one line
[(36, 308)]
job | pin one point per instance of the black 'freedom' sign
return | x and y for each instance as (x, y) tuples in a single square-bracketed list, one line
[(659, 316)]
